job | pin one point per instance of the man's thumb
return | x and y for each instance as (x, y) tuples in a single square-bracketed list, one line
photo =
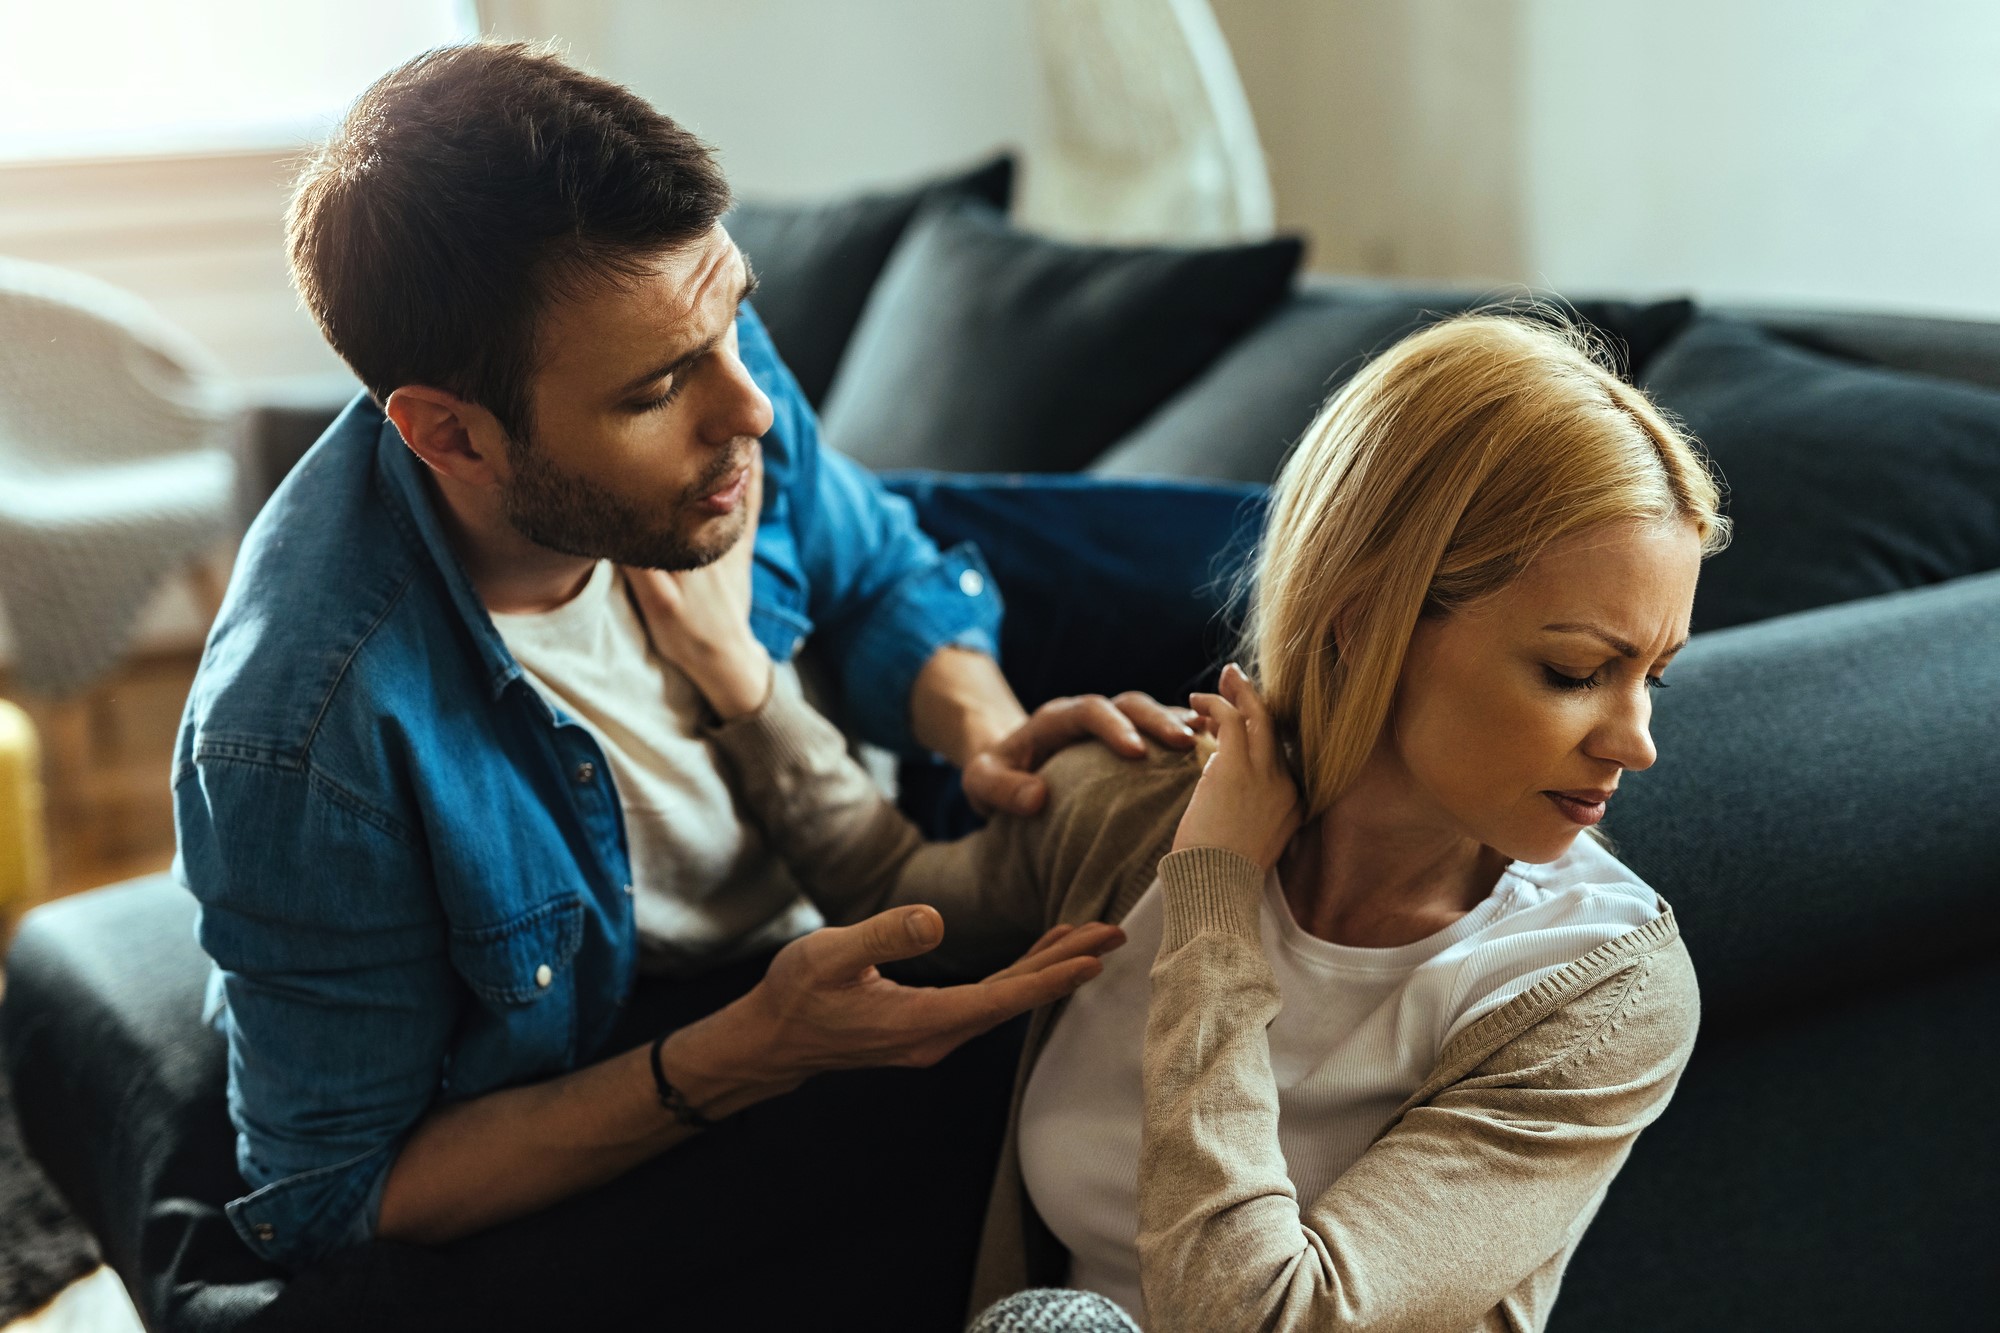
[(902, 932)]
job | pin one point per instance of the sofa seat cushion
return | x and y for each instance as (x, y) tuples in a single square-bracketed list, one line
[(986, 349), (1844, 480), (816, 262)]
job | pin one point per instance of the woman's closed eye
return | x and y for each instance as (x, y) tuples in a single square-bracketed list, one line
[(1562, 680)]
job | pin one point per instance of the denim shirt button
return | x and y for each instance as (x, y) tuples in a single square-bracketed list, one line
[(544, 975), (628, 890), (264, 1231), (585, 771), (971, 583)]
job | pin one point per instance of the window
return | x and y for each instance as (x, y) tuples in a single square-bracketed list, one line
[(136, 77)]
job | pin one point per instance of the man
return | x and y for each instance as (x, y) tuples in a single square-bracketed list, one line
[(438, 798)]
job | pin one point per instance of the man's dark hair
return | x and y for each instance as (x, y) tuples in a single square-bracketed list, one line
[(468, 190)]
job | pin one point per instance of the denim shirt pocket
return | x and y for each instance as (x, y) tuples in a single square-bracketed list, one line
[(523, 975)]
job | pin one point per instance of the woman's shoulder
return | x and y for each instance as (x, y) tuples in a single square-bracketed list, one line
[(1619, 1000), (1626, 1011), (1107, 822), (1091, 778)]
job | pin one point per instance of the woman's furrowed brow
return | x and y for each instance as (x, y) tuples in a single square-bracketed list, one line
[(1623, 647)]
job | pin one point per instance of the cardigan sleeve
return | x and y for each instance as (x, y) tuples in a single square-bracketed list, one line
[(855, 854), (1469, 1193)]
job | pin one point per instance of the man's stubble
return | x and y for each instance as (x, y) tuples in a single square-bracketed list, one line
[(580, 517)]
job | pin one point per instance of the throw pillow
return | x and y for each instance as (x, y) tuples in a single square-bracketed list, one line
[(1844, 480), (1238, 420), (985, 349), (816, 262)]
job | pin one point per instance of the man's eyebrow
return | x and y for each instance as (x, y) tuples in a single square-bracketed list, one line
[(1616, 644), (693, 354)]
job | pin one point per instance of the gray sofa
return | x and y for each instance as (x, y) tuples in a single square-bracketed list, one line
[(1823, 820)]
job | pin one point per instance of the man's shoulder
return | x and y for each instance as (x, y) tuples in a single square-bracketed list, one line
[(323, 589)]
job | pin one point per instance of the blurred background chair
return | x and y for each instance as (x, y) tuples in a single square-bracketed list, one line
[(118, 469)]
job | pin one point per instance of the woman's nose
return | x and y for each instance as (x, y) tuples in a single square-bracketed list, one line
[(1626, 736)]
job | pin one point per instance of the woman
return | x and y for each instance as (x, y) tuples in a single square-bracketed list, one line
[(1388, 1025)]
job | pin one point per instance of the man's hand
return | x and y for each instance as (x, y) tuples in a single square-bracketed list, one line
[(699, 619), (823, 1005), (1002, 776)]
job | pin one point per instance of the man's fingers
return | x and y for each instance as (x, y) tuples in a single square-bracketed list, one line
[(995, 788), (1093, 939), (1017, 995), (1049, 936), (902, 932), (1162, 723), (980, 1005), (1099, 717)]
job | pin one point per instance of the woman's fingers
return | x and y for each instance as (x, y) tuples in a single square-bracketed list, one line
[(1256, 718), (1225, 721)]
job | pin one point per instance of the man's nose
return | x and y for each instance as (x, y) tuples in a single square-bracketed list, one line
[(739, 407)]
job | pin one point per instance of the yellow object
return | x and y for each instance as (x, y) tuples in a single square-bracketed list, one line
[(23, 845)]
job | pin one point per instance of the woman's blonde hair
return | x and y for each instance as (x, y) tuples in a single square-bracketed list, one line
[(1431, 480)]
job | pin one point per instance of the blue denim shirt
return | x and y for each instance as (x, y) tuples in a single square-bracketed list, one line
[(412, 870)]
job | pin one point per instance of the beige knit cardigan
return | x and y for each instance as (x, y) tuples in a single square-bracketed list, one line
[(1463, 1212)]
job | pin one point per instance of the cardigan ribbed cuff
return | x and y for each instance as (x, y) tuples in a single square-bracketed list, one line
[(1209, 889), (784, 735)]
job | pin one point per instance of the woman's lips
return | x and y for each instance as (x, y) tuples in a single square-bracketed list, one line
[(725, 500), (1579, 807)]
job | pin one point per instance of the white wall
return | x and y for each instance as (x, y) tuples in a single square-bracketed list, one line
[(1837, 152), (1826, 151), (808, 98)]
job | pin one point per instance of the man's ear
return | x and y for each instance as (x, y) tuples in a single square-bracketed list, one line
[(454, 438)]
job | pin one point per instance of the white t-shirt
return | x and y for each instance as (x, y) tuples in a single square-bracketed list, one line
[(705, 886), (1359, 1031)]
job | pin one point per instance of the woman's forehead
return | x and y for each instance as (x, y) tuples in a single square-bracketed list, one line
[(1633, 581)]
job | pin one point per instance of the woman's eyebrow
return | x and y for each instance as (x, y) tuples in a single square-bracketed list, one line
[(1620, 646)]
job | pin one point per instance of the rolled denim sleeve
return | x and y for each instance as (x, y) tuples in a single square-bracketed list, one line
[(883, 598), (337, 997)]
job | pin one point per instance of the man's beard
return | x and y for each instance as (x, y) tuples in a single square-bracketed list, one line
[(578, 517)]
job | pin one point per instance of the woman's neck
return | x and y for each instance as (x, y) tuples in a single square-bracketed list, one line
[(1379, 869)]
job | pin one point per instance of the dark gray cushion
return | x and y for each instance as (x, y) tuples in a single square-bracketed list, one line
[(1953, 349), (1237, 421), (985, 349), (1833, 1169), (817, 262), (1844, 480), (1821, 815)]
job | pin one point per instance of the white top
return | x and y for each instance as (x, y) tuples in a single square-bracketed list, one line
[(705, 886), (1359, 1031)]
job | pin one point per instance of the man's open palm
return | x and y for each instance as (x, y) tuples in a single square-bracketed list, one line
[(829, 1007)]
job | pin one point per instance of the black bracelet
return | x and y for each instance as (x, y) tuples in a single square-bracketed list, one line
[(672, 1097)]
